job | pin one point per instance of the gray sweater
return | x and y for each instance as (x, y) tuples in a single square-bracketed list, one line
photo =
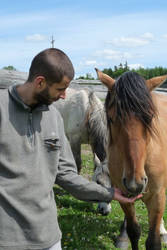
[(34, 153)]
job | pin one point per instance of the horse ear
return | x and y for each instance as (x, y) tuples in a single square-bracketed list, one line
[(105, 79), (155, 82)]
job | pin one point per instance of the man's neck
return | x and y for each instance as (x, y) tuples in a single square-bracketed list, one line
[(25, 92)]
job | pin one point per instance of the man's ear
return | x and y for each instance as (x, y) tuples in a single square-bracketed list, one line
[(40, 82)]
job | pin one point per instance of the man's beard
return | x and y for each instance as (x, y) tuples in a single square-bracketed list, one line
[(43, 97)]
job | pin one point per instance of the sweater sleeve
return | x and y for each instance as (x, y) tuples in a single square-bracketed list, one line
[(75, 184)]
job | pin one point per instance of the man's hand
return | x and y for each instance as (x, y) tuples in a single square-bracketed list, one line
[(119, 196)]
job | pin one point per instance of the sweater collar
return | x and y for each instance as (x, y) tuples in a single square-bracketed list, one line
[(14, 94)]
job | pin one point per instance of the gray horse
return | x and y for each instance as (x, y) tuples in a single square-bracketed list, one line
[(84, 122)]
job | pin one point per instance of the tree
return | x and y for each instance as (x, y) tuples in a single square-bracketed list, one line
[(10, 67), (117, 71), (147, 73), (87, 77)]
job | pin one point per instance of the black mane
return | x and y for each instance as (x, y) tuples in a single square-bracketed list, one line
[(130, 95)]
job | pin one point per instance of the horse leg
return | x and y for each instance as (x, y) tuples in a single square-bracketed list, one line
[(163, 232), (132, 227), (123, 237), (155, 207), (76, 149), (122, 240)]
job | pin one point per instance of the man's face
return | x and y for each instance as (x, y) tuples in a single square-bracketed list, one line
[(52, 93)]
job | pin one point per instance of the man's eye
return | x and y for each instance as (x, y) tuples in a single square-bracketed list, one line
[(61, 90)]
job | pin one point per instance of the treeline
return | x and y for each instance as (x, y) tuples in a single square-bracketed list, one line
[(146, 73), (87, 77), (116, 71), (10, 67)]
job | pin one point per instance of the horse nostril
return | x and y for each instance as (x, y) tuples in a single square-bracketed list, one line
[(145, 180), (98, 181)]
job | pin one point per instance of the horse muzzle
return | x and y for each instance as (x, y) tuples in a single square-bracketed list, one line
[(133, 187)]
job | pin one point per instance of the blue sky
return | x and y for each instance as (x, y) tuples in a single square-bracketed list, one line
[(92, 33)]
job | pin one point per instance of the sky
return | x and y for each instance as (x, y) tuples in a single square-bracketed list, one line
[(93, 33)]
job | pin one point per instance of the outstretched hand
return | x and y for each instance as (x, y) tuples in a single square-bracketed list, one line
[(119, 196)]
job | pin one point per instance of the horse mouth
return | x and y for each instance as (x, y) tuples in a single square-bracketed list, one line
[(131, 195), (134, 190)]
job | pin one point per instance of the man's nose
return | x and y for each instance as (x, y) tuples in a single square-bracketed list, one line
[(63, 95)]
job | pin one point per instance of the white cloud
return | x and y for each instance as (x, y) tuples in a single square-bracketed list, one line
[(135, 66), (129, 42), (113, 54), (137, 41), (91, 62), (148, 36), (86, 63), (165, 36), (35, 37)]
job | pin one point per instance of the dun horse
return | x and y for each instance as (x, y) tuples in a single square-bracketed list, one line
[(137, 159)]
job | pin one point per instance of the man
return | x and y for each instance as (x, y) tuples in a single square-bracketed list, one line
[(34, 152)]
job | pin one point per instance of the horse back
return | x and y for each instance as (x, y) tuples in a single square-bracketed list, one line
[(73, 110)]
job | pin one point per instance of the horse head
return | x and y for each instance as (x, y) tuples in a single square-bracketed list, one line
[(130, 114), (101, 173), (101, 176)]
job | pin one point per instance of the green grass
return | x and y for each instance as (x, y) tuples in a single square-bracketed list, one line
[(83, 228)]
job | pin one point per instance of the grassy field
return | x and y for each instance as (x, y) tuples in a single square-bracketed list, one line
[(83, 228)]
